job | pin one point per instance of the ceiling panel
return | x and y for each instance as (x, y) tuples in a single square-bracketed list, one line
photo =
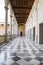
[(21, 9)]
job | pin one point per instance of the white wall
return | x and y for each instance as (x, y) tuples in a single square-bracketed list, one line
[(35, 18)]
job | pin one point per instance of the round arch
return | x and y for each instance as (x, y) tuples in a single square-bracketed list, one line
[(21, 28)]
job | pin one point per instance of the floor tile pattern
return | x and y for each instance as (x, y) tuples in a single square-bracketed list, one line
[(21, 51)]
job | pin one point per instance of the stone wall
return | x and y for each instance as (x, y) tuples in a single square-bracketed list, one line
[(35, 19), (2, 38)]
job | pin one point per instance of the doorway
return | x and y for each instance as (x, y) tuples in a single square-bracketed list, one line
[(34, 34), (41, 33), (21, 33), (21, 30)]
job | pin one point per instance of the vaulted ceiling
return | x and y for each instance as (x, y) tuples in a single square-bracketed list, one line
[(21, 9)]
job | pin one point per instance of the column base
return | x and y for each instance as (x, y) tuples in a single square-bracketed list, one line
[(6, 39)]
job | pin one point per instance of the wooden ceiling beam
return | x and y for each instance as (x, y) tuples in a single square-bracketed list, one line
[(21, 17), (21, 14), (21, 7), (21, 11), (21, 21)]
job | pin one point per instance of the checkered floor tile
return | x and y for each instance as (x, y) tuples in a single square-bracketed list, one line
[(21, 51)]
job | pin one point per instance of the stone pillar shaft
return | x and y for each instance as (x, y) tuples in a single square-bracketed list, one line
[(11, 26), (6, 20)]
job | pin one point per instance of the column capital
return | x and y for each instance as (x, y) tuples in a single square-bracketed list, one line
[(11, 16), (6, 7), (36, 8), (13, 20)]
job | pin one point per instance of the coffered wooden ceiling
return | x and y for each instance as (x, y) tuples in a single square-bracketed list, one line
[(21, 9)]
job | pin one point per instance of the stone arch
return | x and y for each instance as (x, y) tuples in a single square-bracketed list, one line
[(21, 28)]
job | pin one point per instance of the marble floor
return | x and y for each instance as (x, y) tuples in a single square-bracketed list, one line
[(21, 51)]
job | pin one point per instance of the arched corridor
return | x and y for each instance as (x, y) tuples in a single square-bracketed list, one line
[(21, 32)]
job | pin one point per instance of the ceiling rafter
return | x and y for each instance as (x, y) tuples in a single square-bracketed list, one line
[(22, 13), (21, 9)]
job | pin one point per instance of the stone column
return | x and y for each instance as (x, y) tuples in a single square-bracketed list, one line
[(37, 24), (11, 27), (32, 26), (6, 18)]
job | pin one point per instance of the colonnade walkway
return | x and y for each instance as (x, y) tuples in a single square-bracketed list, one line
[(21, 51)]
